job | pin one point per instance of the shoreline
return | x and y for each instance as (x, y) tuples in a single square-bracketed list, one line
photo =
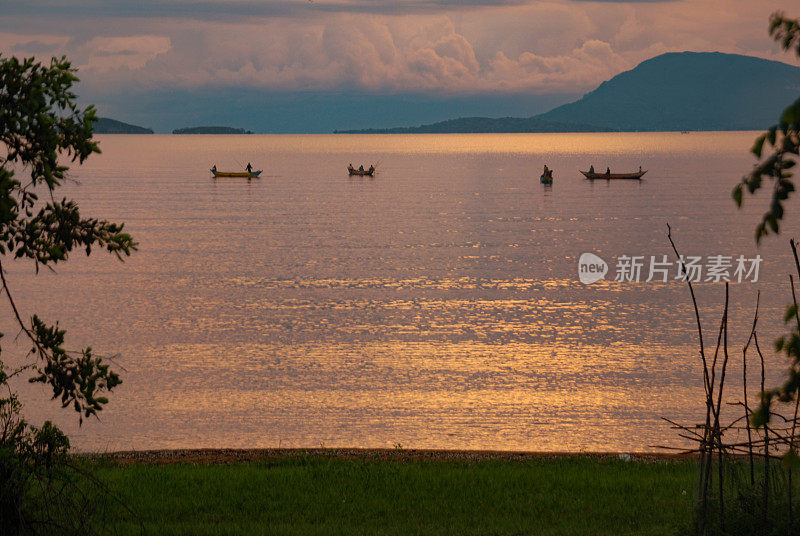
[(213, 456)]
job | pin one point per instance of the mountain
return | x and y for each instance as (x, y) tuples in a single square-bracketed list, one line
[(309, 111), (483, 124), (689, 91), (670, 92), (211, 130), (104, 125)]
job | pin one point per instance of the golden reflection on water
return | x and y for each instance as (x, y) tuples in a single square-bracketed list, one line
[(669, 143), (422, 394), (436, 305)]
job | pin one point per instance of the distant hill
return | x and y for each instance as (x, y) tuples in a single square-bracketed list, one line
[(689, 91), (483, 124), (104, 125), (211, 130), (670, 92)]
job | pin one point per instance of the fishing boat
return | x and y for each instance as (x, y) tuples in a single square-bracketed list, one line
[(608, 176), (242, 174), (361, 172)]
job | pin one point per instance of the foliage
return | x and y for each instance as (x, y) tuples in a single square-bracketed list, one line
[(39, 122), (40, 127), (759, 496), (789, 345), (27, 454), (42, 488), (783, 139), (743, 514)]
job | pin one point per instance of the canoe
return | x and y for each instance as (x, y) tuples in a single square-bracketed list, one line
[(631, 176), (361, 172), (243, 174)]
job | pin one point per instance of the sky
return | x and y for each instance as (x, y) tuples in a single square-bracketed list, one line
[(176, 63)]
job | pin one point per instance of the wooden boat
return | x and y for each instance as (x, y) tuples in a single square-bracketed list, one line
[(242, 174), (606, 176), (361, 172)]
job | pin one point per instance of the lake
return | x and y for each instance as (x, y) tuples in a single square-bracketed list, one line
[(436, 305)]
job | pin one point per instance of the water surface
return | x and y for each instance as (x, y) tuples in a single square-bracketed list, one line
[(436, 305)]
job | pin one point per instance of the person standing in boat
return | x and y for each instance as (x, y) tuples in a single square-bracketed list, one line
[(608, 171), (249, 168), (214, 168), (591, 168), (547, 175)]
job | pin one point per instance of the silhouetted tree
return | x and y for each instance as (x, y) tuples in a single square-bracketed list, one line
[(777, 151), (41, 127)]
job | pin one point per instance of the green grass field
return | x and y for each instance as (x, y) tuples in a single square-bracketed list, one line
[(369, 495)]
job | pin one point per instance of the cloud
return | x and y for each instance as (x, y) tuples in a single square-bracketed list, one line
[(33, 44), (420, 46), (131, 52), (398, 55), (228, 10), (593, 60)]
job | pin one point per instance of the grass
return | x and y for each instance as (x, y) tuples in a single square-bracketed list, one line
[(329, 495)]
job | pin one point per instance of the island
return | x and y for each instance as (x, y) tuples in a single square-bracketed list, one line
[(211, 130), (484, 125), (104, 125)]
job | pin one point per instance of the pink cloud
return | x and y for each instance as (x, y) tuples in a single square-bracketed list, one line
[(541, 47)]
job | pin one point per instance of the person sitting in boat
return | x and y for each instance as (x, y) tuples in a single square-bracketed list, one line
[(591, 168), (249, 168), (361, 167)]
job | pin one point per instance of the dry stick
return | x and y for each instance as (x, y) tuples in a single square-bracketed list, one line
[(677, 426), (696, 310), (760, 442), (28, 333), (797, 394), (742, 445), (713, 431), (744, 384), (765, 502), (797, 398), (680, 450), (791, 449), (722, 323), (706, 384), (17, 315), (718, 434)]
